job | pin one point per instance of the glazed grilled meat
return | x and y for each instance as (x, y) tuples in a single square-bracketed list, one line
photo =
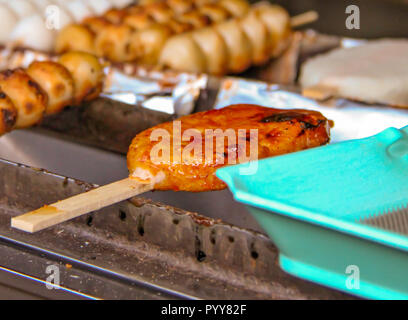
[(278, 132)]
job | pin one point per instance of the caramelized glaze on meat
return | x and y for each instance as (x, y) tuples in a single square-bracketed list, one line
[(279, 132)]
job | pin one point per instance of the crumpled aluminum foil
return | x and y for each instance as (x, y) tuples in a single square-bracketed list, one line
[(352, 120), (176, 93), (166, 91), (169, 92)]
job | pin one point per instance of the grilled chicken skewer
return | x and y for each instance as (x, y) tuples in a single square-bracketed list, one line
[(277, 132), (47, 87)]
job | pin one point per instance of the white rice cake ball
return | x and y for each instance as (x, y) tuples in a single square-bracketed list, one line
[(32, 32), (8, 21), (120, 3), (99, 6), (77, 9), (22, 8)]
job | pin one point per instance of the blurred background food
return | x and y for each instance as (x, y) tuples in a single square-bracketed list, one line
[(215, 37), (254, 39), (32, 23), (47, 87)]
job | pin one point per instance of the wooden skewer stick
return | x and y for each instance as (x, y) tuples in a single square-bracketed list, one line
[(78, 205), (304, 18)]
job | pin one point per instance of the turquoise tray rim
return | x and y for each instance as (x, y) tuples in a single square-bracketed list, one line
[(318, 218), (334, 280)]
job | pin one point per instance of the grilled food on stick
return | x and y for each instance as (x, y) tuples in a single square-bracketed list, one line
[(47, 87), (215, 37), (279, 132), (193, 156), (34, 24)]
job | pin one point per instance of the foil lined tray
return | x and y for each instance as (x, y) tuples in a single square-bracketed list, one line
[(352, 120), (163, 91), (139, 248), (136, 98)]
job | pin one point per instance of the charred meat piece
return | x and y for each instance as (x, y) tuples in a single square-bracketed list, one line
[(184, 154)]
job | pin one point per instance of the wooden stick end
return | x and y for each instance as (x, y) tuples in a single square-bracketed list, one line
[(22, 224)]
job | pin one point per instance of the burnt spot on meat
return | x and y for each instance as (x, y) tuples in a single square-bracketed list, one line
[(283, 116), (301, 133), (307, 125), (9, 118), (2, 95), (7, 73), (59, 89), (291, 116), (29, 107), (34, 85)]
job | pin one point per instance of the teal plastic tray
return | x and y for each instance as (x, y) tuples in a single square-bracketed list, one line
[(311, 204)]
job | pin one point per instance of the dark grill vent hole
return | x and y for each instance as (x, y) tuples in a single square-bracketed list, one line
[(141, 231), (201, 256), (254, 255), (122, 215), (176, 221), (231, 239), (89, 221)]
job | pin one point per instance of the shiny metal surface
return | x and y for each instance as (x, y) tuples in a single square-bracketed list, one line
[(101, 167), (138, 248)]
